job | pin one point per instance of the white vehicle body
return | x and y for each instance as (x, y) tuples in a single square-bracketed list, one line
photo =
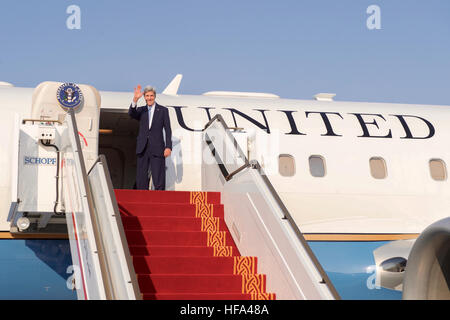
[(345, 135)]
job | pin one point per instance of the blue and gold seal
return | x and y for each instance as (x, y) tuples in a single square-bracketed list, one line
[(69, 95)]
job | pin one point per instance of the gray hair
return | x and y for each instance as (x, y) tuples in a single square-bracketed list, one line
[(148, 89)]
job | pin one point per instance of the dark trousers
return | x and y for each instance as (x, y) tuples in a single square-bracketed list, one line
[(157, 166)]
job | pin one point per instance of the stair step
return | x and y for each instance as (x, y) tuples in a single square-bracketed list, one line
[(175, 251), (172, 223), (156, 196), (197, 296), (188, 283), (185, 265), (169, 238), (141, 209)]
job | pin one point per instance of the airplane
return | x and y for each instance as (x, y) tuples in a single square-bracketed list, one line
[(362, 181)]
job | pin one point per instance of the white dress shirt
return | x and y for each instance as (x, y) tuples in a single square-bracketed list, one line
[(150, 109)]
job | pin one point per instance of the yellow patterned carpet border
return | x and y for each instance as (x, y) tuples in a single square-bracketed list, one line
[(253, 283), (244, 265)]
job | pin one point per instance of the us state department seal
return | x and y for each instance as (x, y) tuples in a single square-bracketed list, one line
[(69, 96)]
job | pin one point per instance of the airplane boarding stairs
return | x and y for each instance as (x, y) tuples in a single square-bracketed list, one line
[(182, 248), (178, 245)]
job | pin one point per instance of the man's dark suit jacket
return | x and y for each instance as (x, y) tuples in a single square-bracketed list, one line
[(155, 136)]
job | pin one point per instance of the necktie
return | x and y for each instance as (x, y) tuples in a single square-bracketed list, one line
[(150, 110)]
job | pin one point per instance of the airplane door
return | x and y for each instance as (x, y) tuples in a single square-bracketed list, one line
[(116, 165)]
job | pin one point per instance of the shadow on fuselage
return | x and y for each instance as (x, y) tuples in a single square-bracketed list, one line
[(54, 253)]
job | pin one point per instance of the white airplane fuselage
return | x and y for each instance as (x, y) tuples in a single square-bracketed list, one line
[(346, 198)]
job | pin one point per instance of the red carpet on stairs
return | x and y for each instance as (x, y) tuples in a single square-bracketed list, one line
[(183, 250)]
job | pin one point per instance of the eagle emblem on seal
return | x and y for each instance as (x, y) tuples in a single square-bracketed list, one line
[(69, 96)]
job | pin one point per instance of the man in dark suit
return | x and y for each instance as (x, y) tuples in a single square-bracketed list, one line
[(151, 149)]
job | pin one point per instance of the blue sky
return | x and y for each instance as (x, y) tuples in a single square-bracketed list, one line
[(292, 48)]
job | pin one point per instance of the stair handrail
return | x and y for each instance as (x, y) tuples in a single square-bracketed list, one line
[(254, 164), (79, 159), (101, 160), (227, 175), (106, 278)]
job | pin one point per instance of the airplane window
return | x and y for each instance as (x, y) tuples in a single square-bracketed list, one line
[(378, 168), (437, 169), (317, 166), (286, 165)]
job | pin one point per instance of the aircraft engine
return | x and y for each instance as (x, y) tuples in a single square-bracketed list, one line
[(427, 274)]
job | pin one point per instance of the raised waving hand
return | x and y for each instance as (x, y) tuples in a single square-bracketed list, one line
[(137, 93)]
